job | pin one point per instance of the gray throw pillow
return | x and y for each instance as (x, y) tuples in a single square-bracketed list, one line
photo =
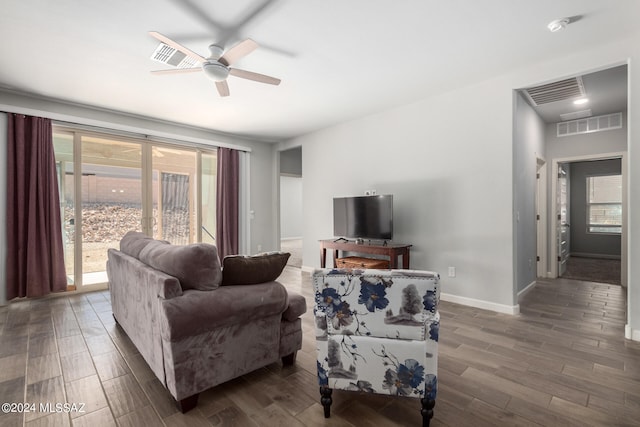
[(196, 266), (133, 242), (251, 270)]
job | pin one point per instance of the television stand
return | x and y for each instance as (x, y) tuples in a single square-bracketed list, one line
[(391, 250)]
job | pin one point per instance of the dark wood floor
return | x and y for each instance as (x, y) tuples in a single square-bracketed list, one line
[(562, 361)]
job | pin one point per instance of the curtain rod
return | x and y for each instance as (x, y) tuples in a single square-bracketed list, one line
[(179, 140), (188, 141)]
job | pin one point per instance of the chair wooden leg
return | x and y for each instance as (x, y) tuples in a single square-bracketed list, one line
[(427, 410), (326, 400), (188, 403)]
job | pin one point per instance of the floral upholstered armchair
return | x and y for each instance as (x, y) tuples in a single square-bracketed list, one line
[(377, 332)]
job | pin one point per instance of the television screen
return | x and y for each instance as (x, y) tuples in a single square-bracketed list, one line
[(364, 217)]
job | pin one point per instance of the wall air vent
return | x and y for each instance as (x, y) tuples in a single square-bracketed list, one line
[(576, 115), (556, 91), (170, 56), (589, 125)]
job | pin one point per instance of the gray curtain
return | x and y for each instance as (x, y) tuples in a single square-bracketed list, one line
[(35, 254), (227, 202)]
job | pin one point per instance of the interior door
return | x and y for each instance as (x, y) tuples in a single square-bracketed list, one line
[(562, 198)]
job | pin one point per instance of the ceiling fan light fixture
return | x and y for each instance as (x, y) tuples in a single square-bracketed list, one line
[(215, 71), (558, 24)]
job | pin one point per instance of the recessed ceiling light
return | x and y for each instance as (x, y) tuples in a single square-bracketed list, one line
[(581, 101), (558, 24)]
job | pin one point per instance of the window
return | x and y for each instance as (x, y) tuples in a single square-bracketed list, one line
[(604, 204), (111, 184)]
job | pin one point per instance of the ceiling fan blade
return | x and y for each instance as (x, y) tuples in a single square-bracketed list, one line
[(243, 48), (166, 40), (223, 88), (250, 75), (177, 71)]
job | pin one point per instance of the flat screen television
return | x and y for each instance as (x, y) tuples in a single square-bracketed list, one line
[(363, 217)]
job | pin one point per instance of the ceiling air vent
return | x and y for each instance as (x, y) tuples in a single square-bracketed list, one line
[(556, 91), (592, 124), (170, 56)]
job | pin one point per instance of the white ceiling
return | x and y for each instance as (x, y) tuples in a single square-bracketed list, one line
[(337, 59)]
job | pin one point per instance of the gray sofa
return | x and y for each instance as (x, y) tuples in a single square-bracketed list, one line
[(196, 325)]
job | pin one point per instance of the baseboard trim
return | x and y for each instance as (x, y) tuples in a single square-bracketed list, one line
[(526, 290), (485, 305), (631, 334), (596, 256), (307, 269)]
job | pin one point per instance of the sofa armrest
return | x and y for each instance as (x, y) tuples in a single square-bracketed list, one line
[(170, 288), (195, 312), (297, 307)]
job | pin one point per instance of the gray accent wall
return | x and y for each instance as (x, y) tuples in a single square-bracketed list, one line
[(290, 207), (291, 193), (528, 146), (291, 162), (3, 208), (449, 168), (582, 242)]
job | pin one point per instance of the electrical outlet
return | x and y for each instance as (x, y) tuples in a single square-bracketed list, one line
[(452, 272), (259, 248), (374, 192), (367, 192)]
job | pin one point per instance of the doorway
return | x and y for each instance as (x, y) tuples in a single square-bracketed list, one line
[(541, 217), (291, 218), (590, 231)]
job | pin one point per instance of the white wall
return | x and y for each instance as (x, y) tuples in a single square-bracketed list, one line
[(448, 161), (290, 207)]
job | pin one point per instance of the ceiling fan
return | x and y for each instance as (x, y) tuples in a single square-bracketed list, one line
[(217, 65)]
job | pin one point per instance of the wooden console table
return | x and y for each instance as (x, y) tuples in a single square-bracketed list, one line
[(391, 250)]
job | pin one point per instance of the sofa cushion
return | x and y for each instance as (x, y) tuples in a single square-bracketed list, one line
[(133, 242), (251, 270), (197, 312), (196, 266)]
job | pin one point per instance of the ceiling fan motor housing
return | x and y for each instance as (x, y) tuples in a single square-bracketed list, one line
[(215, 70)]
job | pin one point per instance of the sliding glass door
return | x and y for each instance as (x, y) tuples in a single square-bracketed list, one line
[(110, 185), (111, 200)]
